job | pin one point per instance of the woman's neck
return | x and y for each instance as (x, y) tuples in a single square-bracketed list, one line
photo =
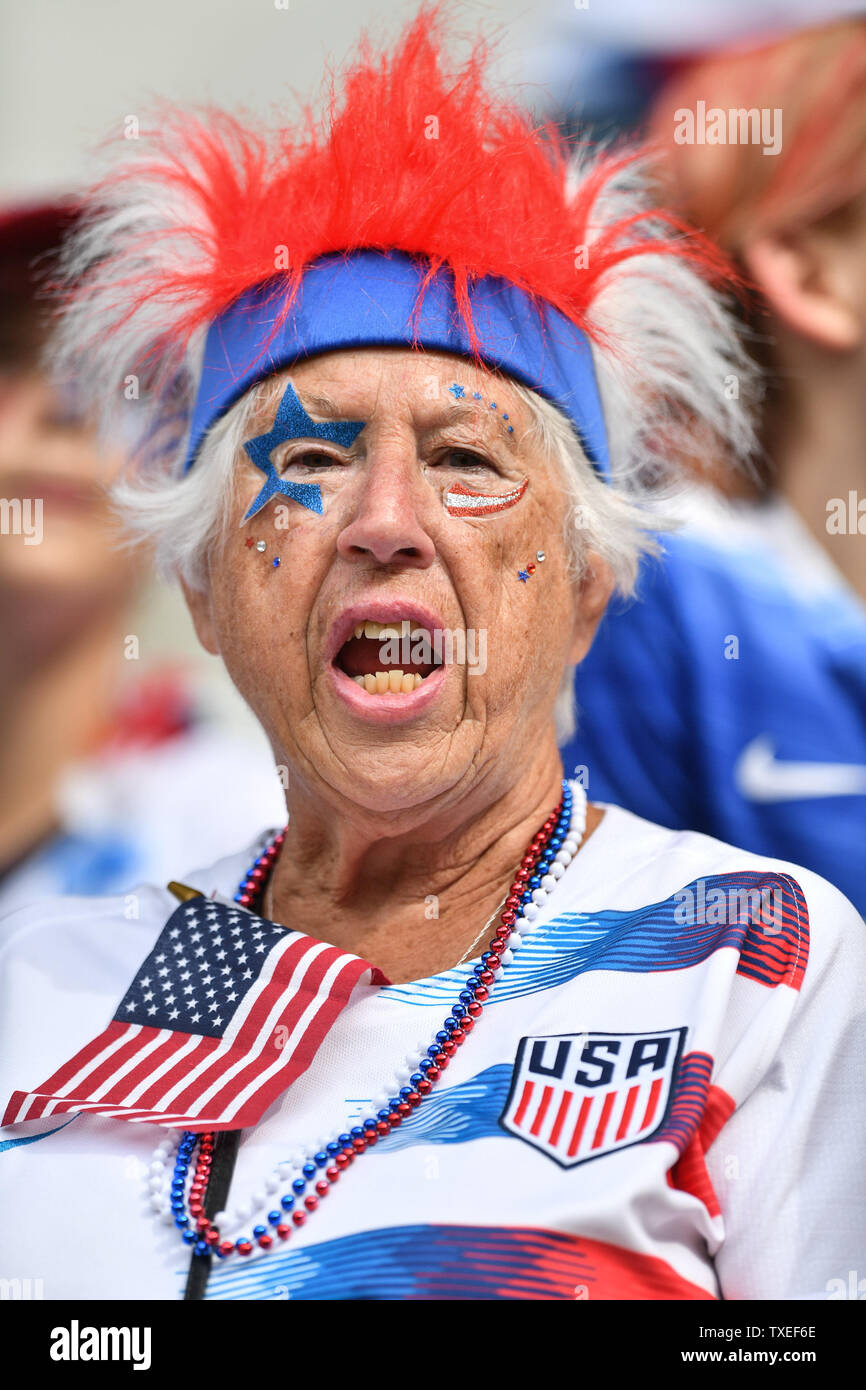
[(410, 892), (817, 446)]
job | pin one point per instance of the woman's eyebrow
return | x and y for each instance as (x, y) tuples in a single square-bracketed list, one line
[(462, 413), (455, 412), (320, 404)]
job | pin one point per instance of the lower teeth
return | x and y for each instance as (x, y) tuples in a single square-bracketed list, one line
[(389, 682)]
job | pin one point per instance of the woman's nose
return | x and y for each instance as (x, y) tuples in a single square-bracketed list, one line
[(387, 525)]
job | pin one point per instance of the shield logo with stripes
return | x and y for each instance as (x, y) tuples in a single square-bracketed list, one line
[(578, 1096)]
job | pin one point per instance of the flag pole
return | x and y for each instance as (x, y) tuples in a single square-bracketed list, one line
[(225, 1152)]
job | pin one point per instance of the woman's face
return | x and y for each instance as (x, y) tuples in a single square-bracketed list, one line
[(57, 478), (431, 521)]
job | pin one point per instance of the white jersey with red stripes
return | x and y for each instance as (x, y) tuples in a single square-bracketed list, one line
[(663, 1099)]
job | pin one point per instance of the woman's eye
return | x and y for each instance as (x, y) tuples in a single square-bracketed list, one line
[(466, 461), (313, 460)]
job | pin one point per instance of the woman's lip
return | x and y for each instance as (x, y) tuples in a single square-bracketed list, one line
[(53, 489), (378, 611), (388, 708)]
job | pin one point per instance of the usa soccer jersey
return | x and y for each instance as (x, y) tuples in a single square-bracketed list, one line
[(663, 1100), (730, 696)]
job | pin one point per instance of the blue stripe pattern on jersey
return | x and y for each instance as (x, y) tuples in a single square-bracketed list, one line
[(764, 919), (414, 1262), (690, 1097), (467, 1111)]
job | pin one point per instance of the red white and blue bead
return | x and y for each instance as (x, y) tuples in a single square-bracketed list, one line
[(548, 855)]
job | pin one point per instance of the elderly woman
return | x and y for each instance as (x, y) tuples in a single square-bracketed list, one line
[(453, 1032)]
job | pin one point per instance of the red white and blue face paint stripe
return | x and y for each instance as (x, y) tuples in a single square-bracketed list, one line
[(462, 501)]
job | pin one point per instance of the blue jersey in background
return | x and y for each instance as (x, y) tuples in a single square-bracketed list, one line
[(730, 696)]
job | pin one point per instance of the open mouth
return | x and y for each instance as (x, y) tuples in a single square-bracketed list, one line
[(392, 658)]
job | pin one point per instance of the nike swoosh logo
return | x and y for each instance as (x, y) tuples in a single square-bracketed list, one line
[(760, 776)]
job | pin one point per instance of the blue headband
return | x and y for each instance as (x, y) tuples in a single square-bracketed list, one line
[(367, 299)]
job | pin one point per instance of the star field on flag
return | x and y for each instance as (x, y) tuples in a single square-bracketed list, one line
[(225, 1012)]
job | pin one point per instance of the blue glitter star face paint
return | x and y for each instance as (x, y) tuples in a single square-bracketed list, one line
[(459, 394), (293, 422)]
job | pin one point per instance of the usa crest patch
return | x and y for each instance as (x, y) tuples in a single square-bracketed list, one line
[(578, 1096)]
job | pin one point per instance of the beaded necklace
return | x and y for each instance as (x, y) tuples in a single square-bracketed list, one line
[(550, 852)]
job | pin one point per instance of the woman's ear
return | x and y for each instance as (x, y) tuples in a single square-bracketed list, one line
[(805, 277), (199, 604), (593, 595)]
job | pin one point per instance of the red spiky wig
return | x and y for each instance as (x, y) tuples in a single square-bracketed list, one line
[(411, 156)]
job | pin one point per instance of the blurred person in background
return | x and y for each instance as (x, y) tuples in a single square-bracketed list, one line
[(749, 642), (97, 769)]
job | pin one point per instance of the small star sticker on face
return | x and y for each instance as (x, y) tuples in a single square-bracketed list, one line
[(458, 392), (521, 574), (249, 542)]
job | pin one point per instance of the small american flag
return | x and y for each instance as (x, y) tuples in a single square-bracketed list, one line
[(225, 1013)]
